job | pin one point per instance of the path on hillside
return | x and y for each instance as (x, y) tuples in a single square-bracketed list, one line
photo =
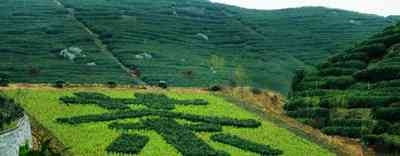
[(99, 43)]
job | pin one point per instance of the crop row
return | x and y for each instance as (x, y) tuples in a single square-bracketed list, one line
[(249, 123), (129, 144), (246, 144)]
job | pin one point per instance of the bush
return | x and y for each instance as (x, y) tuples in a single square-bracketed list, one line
[(337, 71), (256, 91), (9, 112), (353, 132), (388, 114), (128, 144), (342, 82), (4, 80), (391, 142), (351, 123), (373, 50), (371, 101), (163, 84), (246, 144), (60, 84), (215, 88), (301, 103), (309, 113), (379, 73), (111, 84)]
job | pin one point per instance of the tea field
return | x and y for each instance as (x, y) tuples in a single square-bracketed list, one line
[(101, 121)]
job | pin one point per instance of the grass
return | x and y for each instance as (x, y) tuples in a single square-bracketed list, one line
[(93, 138)]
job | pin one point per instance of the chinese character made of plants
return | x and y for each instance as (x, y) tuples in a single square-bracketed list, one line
[(157, 116)]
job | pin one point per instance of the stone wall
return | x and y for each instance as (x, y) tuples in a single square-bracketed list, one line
[(13, 139)]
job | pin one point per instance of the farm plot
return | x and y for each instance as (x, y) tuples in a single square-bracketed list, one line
[(99, 121)]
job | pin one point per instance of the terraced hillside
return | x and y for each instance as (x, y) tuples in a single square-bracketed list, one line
[(34, 32), (186, 43), (355, 93)]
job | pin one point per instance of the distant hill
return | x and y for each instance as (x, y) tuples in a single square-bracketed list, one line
[(355, 93), (186, 43)]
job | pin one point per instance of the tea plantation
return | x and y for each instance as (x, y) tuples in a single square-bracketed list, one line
[(355, 93), (186, 43), (102, 121)]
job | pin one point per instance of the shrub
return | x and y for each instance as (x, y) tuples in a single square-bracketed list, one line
[(309, 113), (9, 111), (215, 88), (379, 73), (388, 40), (351, 123), (246, 144), (300, 103), (60, 84), (342, 82), (111, 84), (388, 114), (339, 101), (163, 84), (4, 80), (128, 144), (373, 50), (391, 142), (256, 91), (371, 101), (353, 132), (337, 71)]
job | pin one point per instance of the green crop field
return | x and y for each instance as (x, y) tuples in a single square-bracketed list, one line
[(92, 121)]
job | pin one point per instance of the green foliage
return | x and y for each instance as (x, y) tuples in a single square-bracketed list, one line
[(391, 142), (128, 144), (309, 113), (185, 141), (337, 71), (60, 84), (388, 114), (246, 144), (4, 80), (353, 132), (111, 84), (379, 73), (298, 103), (9, 112), (44, 150), (373, 50)]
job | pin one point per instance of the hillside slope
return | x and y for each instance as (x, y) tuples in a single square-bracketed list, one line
[(355, 93), (186, 43)]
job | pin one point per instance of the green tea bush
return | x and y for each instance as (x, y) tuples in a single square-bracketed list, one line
[(391, 142), (245, 123), (246, 144), (388, 114), (59, 84), (299, 103), (186, 141), (337, 71), (351, 123), (353, 132), (371, 101), (128, 144), (309, 113), (373, 50), (200, 127), (4, 80), (379, 73), (342, 82)]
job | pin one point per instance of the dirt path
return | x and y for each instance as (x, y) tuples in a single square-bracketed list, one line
[(103, 48)]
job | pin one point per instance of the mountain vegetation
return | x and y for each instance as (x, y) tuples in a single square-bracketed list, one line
[(354, 93), (185, 43)]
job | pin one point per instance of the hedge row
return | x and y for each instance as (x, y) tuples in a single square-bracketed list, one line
[(353, 132), (372, 50), (334, 71), (246, 144), (345, 64), (185, 141), (249, 123), (155, 101), (351, 123), (309, 113), (391, 142), (388, 114), (344, 101), (379, 73), (200, 127), (128, 144), (301, 102)]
